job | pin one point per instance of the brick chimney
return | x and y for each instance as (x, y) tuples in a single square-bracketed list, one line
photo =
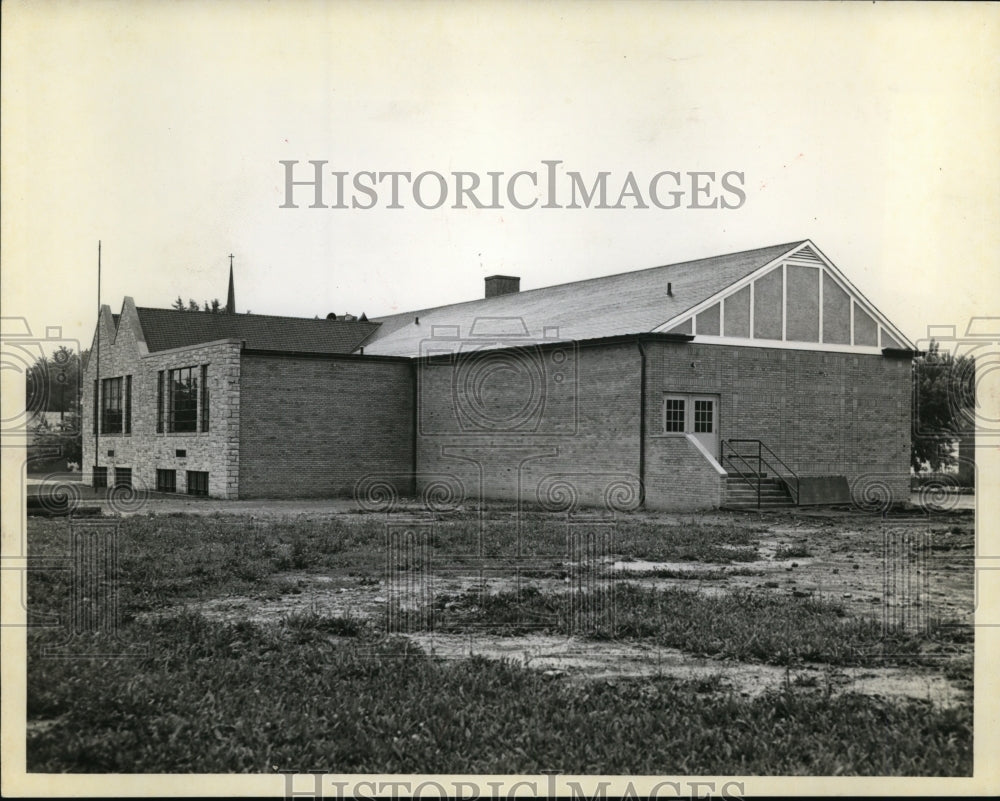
[(502, 285)]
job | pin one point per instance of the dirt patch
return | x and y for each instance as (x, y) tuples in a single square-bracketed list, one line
[(335, 595), (918, 568), (576, 659), (589, 660)]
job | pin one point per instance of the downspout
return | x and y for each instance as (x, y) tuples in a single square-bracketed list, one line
[(97, 386), (413, 425), (642, 422)]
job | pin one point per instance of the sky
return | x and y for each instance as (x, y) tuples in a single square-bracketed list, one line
[(158, 130)]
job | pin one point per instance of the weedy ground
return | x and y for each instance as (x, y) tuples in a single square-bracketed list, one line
[(301, 643)]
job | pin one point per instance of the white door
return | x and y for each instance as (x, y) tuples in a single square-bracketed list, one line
[(704, 421)]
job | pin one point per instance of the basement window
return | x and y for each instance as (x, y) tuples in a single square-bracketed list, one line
[(123, 477), (100, 477), (197, 482), (166, 481)]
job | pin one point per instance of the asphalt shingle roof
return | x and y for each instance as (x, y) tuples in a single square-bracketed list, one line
[(169, 328), (626, 303)]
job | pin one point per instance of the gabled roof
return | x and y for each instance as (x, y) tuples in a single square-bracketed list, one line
[(626, 303), (802, 301), (169, 328)]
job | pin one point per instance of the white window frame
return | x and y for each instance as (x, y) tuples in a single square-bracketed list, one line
[(689, 399)]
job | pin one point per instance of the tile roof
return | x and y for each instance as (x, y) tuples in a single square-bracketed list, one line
[(626, 303), (169, 328)]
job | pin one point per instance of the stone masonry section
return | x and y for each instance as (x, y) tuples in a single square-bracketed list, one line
[(144, 450)]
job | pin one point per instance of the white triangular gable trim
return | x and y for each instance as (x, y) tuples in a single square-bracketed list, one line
[(732, 289), (805, 254), (857, 295)]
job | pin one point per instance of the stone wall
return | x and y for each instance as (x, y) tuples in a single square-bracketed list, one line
[(144, 450)]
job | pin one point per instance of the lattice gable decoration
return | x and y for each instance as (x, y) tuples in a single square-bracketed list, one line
[(801, 301)]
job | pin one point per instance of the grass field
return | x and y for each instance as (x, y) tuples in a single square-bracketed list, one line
[(256, 645)]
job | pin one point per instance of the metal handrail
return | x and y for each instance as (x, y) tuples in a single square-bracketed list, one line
[(782, 463), (792, 487), (743, 476)]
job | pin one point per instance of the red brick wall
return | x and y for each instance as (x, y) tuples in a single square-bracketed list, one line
[(486, 431), (678, 476), (822, 413), (315, 427)]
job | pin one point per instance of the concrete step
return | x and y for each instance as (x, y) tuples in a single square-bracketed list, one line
[(751, 497), (742, 494), (740, 506)]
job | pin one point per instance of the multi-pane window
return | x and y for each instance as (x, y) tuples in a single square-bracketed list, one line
[(182, 414), (111, 406), (159, 401), (197, 482), (166, 481), (181, 405), (128, 404), (204, 397), (703, 416), (690, 414), (97, 413), (673, 419)]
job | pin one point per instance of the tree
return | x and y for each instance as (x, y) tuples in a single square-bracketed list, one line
[(52, 383), (192, 305), (943, 406)]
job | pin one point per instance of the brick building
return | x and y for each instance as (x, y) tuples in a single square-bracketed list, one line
[(673, 387)]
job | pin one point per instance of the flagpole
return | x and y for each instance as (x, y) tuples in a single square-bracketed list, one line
[(97, 385)]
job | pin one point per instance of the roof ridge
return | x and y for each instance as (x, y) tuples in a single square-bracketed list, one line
[(784, 245), (244, 315)]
